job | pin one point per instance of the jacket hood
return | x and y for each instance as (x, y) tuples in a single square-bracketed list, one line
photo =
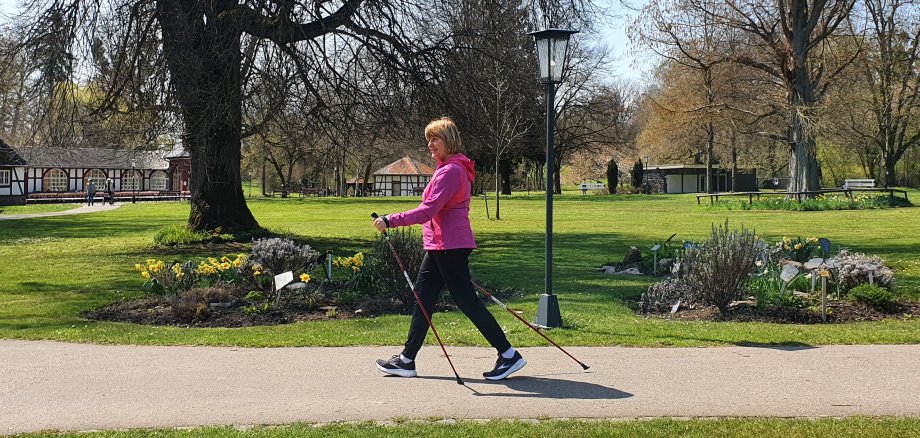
[(463, 161)]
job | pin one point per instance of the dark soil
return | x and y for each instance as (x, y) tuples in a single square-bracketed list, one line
[(837, 312), (158, 311)]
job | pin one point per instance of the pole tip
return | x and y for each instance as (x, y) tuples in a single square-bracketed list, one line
[(585, 367)]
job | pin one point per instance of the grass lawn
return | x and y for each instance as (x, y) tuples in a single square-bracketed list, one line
[(748, 427), (36, 208), (53, 268)]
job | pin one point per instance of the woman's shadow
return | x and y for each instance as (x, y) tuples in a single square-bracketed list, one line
[(543, 387)]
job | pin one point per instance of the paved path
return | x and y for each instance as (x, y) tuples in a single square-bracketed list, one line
[(51, 385), (79, 210)]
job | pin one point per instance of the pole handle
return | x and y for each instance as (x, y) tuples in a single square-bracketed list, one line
[(374, 215)]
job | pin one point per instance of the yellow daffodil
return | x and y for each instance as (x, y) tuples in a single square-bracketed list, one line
[(224, 266), (146, 275), (798, 246), (257, 273), (305, 278), (138, 267), (237, 263)]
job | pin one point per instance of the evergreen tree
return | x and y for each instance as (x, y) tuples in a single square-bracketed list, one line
[(613, 176), (638, 173)]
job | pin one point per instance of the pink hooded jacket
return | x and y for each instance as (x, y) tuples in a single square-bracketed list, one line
[(445, 209)]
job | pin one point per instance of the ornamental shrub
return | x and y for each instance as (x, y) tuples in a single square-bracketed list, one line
[(853, 270), (661, 296), (408, 244), (872, 296), (717, 270), (277, 255)]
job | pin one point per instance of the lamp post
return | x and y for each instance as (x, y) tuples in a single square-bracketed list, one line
[(134, 177), (552, 45)]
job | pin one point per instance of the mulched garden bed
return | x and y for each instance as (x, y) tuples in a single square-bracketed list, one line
[(838, 312), (157, 311)]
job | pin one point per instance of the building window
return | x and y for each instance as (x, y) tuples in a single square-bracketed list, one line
[(55, 180), (158, 180), (177, 180), (97, 176), (131, 181), (5, 178)]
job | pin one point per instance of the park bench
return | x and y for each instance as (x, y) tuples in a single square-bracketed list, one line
[(859, 184), (313, 191), (418, 190), (591, 186)]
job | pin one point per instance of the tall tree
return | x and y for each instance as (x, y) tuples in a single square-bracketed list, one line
[(201, 46), (791, 38), (889, 72)]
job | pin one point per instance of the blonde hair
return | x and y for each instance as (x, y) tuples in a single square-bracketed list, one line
[(445, 129)]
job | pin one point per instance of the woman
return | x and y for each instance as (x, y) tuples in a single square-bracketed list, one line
[(448, 237)]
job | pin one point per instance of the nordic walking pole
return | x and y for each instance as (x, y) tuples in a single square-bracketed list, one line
[(419, 301), (488, 295)]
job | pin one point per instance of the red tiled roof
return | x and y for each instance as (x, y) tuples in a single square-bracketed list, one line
[(405, 166)]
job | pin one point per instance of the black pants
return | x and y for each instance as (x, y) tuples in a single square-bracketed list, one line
[(451, 268)]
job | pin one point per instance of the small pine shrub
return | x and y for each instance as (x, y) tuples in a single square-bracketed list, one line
[(872, 296)]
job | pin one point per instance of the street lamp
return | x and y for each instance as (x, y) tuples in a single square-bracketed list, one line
[(134, 178), (552, 45)]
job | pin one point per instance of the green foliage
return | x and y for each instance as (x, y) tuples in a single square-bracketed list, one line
[(797, 248), (181, 235), (613, 176), (638, 173), (166, 280), (409, 246), (43, 297), (765, 284), (818, 203), (212, 271), (873, 296)]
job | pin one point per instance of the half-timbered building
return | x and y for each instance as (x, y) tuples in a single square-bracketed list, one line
[(46, 173), (403, 177)]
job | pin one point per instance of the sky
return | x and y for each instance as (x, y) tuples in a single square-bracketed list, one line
[(625, 65)]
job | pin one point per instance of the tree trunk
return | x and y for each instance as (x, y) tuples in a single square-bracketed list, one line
[(204, 61), (710, 130), (803, 159), (497, 190), (557, 177), (735, 162)]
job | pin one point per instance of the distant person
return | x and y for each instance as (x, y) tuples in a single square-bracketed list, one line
[(90, 193), (110, 190)]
